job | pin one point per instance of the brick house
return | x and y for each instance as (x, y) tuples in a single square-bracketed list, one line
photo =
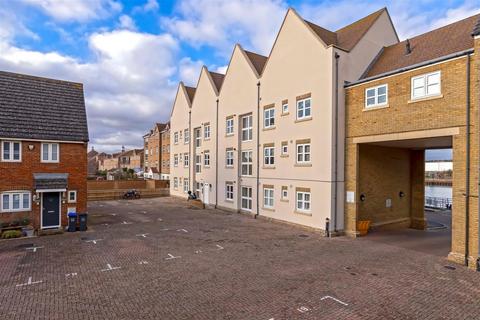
[(43, 145), (157, 152), (422, 93)]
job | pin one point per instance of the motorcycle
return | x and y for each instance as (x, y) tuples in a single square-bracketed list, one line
[(131, 194)]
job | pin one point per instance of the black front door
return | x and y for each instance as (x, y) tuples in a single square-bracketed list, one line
[(51, 210)]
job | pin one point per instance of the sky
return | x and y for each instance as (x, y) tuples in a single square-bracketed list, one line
[(130, 55)]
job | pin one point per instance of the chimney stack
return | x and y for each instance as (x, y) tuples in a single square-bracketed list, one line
[(408, 48), (123, 148)]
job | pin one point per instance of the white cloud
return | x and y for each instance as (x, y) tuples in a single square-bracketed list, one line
[(126, 22), (151, 5), (76, 10), (189, 71), (221, 24)]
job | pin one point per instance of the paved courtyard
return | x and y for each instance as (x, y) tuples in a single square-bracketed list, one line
[(159, 259)]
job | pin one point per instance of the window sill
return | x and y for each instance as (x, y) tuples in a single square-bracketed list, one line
[(284, 200), (376, 108), (268, 209), (16, 211), (268, 167), (229, 200), (12, 161), (284, 156), (303, 165), (438, 96), (206, 139), (303, 119), (268, 128), (229, 167), (229, 135), (303, 213), (285, 114)]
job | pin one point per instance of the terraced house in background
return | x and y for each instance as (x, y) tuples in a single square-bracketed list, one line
[(157, 152), (268, 137), (43, 144)]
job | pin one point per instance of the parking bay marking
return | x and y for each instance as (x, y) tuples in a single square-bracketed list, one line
[(183, 230), (34, 249), (220, 247), (94, 241), (71, 275), (125, 222), (29, 282), (110, 268), (143, 262), (143, 235), (171, 257), (334, 299)]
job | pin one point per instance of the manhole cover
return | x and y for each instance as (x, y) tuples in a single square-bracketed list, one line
[(303, 236), (450, 267)]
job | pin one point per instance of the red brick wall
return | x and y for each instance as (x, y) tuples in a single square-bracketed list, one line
[(19, 176)]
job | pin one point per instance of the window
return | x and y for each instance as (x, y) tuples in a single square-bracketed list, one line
[(198, 137), (186, 136), (376, 96), (247, 131), (284, 148), (269, 117), (229, 191), (206, 159), (229, 126), (206, 131), (284, 193), (175, 160), (229, 158), (303, 152), (185, 185), (426, 85), (304, 108), (72, 196), (268, 156), (198, 163), (303, 201), (186, 160), (15, 201), (247, 198), (175, 183), (268, 197), (49, 152), (247, 164), (11, 151), (175, 138), (284, 106)]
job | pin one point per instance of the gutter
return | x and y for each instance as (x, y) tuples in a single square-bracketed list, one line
[(411, 67), (216, 159), (258, 150), (467, 178), (335, 183)]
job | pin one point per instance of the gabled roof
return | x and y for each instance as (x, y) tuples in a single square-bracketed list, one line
[(190, 93), (217, 79), (160, 126), (258, 61), (450, 39), (476, 30), (40, 108), (347, 37)]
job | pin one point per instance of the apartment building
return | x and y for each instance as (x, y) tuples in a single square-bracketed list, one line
[(43, 145), (157, 152), (126, 159), (279, 123), (418, 94)]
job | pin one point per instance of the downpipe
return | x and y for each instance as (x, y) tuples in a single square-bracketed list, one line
[(467, 178), (335, 183), (258, 151)]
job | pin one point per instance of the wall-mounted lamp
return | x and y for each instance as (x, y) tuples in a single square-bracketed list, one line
[(362, 197), (31, 147), (401, 194)]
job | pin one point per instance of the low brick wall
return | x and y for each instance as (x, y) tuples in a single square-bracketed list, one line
[(111, 190)]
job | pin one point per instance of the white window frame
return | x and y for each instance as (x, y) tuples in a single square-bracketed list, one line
[(197, 133), (175, 183), (248, 198), (186, 160), (21, 195), (70, 192), (304, 154), (301, 203), (376, 96), (248, 164), (285, 108), (206, 131), (284, 193), (175, 160), (229, 126), (10, 150), (186, 136), (301, 107), (229, 158), (247, 127), (185, 185), (175, 137), (284, 150), (269, 156), (229, 191), (198, 163), (50, 153), (268, 198), (206, 159), (269, 117), (426, 85)]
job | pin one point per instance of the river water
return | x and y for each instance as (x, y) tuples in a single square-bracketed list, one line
[(438, 191)]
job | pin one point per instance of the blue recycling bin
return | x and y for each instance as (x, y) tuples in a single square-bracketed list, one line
[(72, 222)]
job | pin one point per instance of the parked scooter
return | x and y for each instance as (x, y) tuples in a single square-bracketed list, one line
[(131, 194)]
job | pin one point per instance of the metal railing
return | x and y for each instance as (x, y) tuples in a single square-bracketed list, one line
[(436, 202)]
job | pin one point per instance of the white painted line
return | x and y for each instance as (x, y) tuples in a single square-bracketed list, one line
[(34, 249), (171, 256), (303, 309), (198, 251), (183, 230), (160, 219), (165, 229), (143, 262), (109, 268), (334, 299), (71, 275), (143, 235), (113, 214), (106, 224), (125, 222), (29, 282), (144, 212), (94, 241), (220, 247)]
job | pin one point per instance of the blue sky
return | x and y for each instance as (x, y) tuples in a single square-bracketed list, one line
[(130, 55)]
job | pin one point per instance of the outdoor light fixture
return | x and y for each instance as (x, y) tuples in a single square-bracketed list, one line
[(31, 147), (362, 197), (401, 194)]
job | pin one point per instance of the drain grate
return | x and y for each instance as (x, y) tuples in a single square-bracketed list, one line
[(303, 236), (450, 267)]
